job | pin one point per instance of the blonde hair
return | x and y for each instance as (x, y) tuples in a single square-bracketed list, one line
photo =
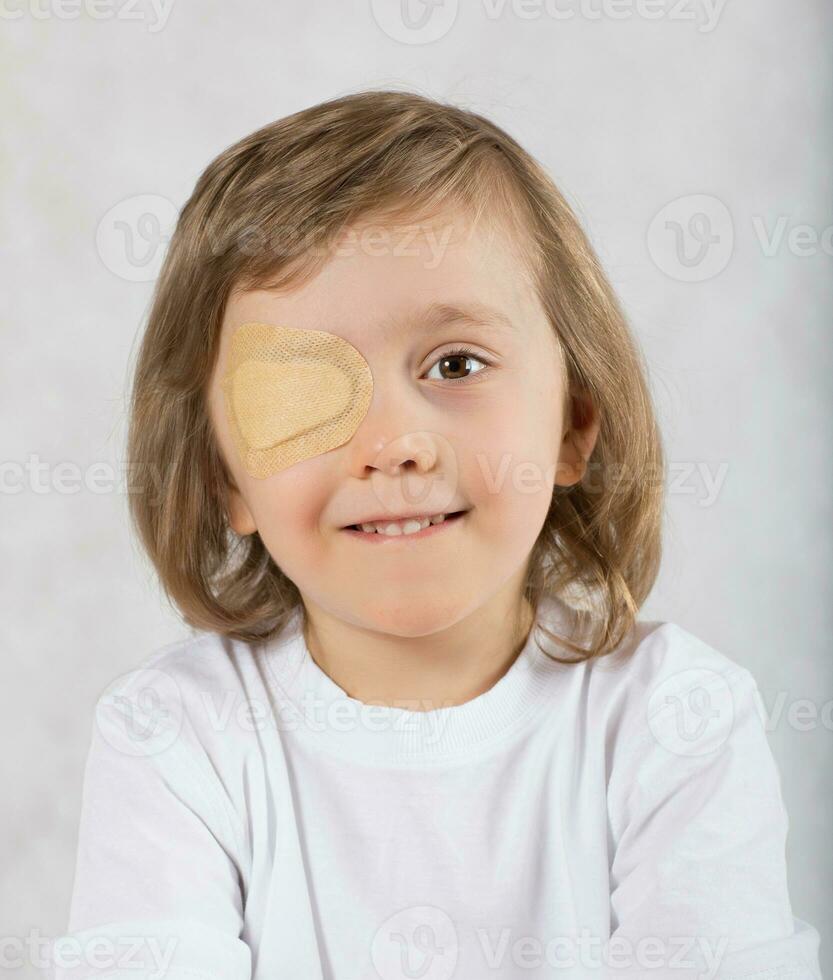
[(251, 221)]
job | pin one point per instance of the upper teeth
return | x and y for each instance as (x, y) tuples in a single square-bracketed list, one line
[(409, 526)]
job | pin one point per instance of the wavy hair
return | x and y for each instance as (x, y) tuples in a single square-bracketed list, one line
[(256, 218)]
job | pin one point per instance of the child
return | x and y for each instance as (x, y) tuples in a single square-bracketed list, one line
[(400, 471)]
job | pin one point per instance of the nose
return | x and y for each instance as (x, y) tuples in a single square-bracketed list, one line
[(412, 451), (392, 438), (398, 450), (394, 455), (403, 471)]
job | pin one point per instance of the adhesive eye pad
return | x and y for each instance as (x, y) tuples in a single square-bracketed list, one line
[(292, 394)]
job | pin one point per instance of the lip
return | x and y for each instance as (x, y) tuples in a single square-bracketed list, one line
[(387, 518), (427, 532)]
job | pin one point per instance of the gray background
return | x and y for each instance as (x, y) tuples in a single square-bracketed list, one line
[(629, 114)]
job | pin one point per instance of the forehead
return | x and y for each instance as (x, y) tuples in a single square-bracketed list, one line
[(383, 278)]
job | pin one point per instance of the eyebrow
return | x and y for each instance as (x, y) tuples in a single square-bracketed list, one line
[(438, 315)]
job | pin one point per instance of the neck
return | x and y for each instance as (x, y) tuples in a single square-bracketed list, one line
[(441, 669)]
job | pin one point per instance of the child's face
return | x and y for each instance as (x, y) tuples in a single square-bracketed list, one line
[(488, 444)]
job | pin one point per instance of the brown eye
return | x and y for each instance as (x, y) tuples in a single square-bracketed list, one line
[(453, 365)]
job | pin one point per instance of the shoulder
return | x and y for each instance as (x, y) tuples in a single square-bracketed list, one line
[(203, 659), (187, 668), (653, 653), (659, 684), (188, 720), (191, 692), (664, 658), (673, 703), (693, 796)]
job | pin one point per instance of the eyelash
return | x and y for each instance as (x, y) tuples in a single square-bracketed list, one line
[(461, 351)]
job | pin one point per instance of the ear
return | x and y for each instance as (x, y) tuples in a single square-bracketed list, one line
[(239, 516), (581, 430)]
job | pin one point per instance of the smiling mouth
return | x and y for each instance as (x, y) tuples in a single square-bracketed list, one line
[(396, 530)]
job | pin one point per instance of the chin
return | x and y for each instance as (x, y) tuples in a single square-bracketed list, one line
[(412, 617)]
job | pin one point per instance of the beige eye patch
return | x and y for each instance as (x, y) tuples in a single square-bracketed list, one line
[(292, 394)]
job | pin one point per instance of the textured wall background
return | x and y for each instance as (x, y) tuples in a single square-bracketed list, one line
[(692, 136)]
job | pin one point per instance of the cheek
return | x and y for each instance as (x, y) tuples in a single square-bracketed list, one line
[(287, 523), (509, 459), (286, 506)]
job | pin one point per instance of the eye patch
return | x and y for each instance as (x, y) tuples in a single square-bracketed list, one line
[(292, 394)]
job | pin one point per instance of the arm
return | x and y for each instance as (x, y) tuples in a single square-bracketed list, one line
[(157, 888), (699, 829)]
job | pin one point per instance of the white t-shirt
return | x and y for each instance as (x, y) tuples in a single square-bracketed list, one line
[(243, 817)]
